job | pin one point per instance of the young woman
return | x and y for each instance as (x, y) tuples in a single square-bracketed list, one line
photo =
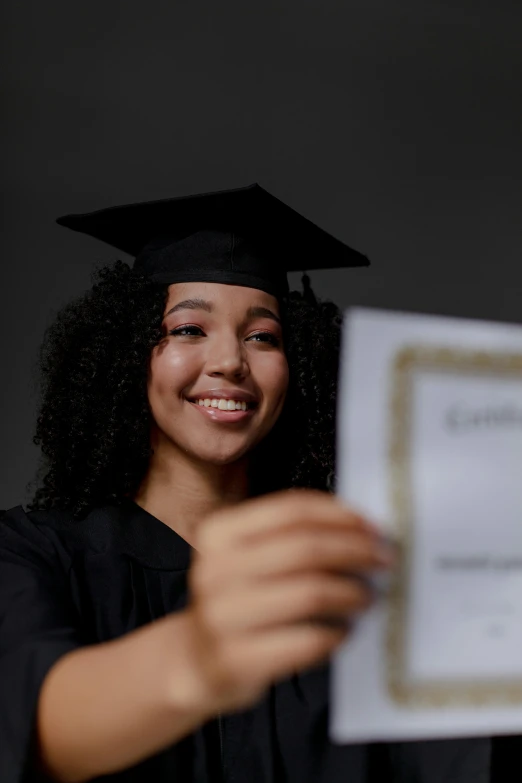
[(167, 604)]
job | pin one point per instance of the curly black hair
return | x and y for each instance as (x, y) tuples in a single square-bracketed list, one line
[(94, 418)]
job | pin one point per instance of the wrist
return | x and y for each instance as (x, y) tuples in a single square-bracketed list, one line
[(188, 690)]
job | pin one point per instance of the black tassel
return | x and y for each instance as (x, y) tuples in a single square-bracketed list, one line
[(308, 293)]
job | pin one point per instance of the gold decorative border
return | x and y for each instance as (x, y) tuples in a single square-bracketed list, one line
[(409, 360)]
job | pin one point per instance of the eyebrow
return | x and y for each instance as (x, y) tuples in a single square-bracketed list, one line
[(191, 304), (202, 304)]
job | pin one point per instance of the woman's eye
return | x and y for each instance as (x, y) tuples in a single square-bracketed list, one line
[(188, 330), (195, 331), (267, 337)]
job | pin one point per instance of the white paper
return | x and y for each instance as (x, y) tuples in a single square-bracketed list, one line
[(430, 447)]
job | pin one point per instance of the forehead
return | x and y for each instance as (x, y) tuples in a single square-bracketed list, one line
[(221, 296)]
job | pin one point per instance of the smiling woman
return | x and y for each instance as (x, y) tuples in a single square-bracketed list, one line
[(107, 351), (162, 602), (230, 352)]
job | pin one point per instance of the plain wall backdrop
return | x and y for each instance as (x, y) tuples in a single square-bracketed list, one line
[(397, 126)]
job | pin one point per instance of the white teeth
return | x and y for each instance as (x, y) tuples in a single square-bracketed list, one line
[(222, 404)]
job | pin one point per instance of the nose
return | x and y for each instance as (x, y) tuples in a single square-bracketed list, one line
[(227, 357)]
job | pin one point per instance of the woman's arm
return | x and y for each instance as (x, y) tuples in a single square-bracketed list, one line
[(106, 707)]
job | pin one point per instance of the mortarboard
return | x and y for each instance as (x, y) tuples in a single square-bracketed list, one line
[(243, 237)]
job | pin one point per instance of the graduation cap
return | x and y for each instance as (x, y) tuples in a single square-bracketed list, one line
[(243, 237)]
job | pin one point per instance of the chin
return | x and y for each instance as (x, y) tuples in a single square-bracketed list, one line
[(218, 457)]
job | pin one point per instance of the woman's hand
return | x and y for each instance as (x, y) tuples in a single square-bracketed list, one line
[(273, 583)]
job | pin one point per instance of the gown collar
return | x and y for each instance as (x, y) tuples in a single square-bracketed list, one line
[(151, 542)]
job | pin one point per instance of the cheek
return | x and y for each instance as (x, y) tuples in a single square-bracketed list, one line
[(170, 371), (274, 376)]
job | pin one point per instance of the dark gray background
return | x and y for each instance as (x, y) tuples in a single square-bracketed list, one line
[(395, 125)]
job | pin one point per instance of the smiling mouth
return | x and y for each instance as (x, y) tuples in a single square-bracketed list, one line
[(224, 405)]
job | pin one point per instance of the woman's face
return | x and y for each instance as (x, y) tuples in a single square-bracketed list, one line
[(221, 343)]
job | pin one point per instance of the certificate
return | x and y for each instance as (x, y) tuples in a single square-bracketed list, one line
[(430, 446)]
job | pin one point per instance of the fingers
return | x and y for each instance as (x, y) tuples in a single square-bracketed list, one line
[(261, 517), (273, 583), (299, 599), (295, 552)]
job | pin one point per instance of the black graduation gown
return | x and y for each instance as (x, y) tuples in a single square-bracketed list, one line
[(64, 584)]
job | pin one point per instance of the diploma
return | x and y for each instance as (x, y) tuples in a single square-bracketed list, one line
[(430, 446)]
